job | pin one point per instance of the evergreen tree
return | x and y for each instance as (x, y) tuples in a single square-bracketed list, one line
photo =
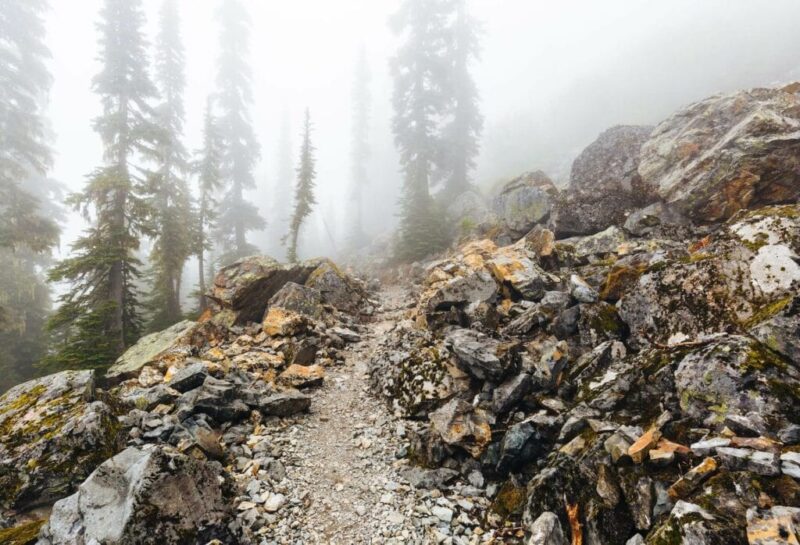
[(360, 146), (209, 176), (100, 316), (241, 150), (463, 129), (420, 72), (28, 200), (168, 188), (304, 192), (24, 152)]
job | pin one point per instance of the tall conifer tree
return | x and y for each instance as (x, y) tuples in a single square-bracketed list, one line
[(100, 315), (462, 131), (168, 188), (421, 73), (237, 216), (27, 198), (360, 151), (304, 200), (208, 167)]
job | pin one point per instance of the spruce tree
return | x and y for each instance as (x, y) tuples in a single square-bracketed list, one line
[(304, 199), (208, 167), (237, 216), (420, 72), (100, 316), (28, 199), (462, 131), (24, 151), (169, 192), (360, 151)]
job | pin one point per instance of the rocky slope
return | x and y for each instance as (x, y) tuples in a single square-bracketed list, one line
[(614, 364)]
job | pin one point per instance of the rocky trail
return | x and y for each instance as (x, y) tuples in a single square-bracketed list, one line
[(345, 460), (635, 383)]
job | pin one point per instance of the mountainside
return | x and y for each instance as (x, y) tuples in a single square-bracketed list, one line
[(614, 364)]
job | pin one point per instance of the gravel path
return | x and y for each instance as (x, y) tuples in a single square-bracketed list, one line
[(344, 475)]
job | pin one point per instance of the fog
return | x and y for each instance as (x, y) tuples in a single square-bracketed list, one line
[(552, 75)]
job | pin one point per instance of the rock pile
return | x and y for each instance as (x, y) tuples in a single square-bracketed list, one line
[(638, 382)]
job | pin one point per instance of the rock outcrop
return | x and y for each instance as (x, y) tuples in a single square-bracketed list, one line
[(145, 496), (54, 431), (727, 153), (524, 202)]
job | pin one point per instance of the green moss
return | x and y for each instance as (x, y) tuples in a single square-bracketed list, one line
[(767, 311), (789, 211), (24, 534), (761, 358), (509, 500)]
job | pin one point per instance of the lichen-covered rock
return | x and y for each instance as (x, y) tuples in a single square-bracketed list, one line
[(459, 423), (164, 347), (524, 202), (415, 375), (546, 530), (781, 331), (730, 284), (53, 434), (598, 245), (516, 269), (337, 288), (604, 184), (774, 526), (300, 299), (153, 496), (734, 375), (244, 288), (280, 322), (690, 524), (726, 153), (481, 356)]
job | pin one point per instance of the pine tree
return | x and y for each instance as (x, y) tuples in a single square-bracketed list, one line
[(304, 192), (24, 152), (100, 315), (168, 188), (28, 199), (241, 151), (420, 72), (360, 151), (462, 132), (208, 168)]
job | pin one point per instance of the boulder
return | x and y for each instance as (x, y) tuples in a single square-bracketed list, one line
[(481, 356), (546, 530), (243, 289), (469, 210), (337, 288), (459, 423), (284, 403), (604, 184), (726, 153), (53, 434), (524, 202), (280, 322), (153, 496), (733, 283), (164, 347), (781, 331), (299, 299), (516, 269), (733, 376), (301, 376), (690, 524)]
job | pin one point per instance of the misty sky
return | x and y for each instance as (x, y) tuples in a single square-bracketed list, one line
[(553, 75)]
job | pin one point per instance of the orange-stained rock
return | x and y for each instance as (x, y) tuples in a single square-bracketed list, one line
[(301, 376), (280, 322), (692, 479), (639, 450)]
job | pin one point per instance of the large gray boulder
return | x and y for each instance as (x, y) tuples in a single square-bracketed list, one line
[(726, 153), (524, 202), (153, 496), (53, 434), (241, 291), (604, 184), (163, 347)]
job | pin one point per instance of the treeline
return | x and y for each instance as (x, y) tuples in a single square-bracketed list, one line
[(192, 204)]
